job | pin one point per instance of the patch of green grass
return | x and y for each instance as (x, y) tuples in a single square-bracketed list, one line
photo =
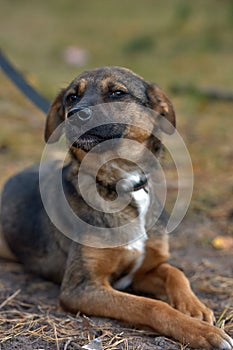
[(144, 43)]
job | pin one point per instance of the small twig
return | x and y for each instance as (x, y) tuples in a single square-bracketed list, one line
[(67, 344), (55, 335), (5, 302), (223, 318)]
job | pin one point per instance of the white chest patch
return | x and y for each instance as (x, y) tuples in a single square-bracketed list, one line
[(139, 247), (142, 200)]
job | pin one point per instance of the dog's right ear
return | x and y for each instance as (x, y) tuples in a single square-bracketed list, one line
[(163, 106), (55, 117)]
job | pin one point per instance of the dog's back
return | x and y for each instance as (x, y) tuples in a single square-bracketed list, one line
[(26, 227)]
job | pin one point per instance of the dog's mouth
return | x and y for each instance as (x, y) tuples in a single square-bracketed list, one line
[(88, 141), (99, 134)]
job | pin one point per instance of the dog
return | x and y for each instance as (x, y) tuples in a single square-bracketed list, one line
[(94, 275)]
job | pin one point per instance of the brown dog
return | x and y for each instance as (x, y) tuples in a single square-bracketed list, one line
[(93, 274)]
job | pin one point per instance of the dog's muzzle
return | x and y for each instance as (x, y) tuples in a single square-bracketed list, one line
[(81, 134), (82, 114)]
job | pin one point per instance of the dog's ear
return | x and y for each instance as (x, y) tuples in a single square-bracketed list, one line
[(160, 103), (55, 117)]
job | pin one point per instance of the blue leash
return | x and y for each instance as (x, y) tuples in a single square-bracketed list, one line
[(13, 74)]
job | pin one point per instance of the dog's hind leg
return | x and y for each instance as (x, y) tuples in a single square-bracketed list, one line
[(5, 251)]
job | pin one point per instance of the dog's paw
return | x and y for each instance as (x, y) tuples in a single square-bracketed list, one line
[(190, 305), (208, 337), (198, 334)]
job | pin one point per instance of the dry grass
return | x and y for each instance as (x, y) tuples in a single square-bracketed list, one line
[(63, 331), (77, 331), (225, 320)]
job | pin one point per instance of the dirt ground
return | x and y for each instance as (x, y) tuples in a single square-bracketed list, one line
[(31, 318)]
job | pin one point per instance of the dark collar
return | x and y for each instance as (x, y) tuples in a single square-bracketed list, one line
[(141, 184)]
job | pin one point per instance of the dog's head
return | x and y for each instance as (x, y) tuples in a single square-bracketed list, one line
[(92, 94)]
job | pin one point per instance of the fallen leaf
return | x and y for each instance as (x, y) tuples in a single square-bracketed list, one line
[(222, 242)]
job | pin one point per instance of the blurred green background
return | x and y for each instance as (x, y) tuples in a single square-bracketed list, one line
[(167, 42)]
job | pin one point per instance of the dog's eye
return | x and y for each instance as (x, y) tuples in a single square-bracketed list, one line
[(117, 93), (72, 98)]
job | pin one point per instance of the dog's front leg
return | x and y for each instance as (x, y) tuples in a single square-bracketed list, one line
[(86, 288), (171, 282), (180, 294)]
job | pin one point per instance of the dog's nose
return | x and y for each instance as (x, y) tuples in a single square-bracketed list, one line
[(83, 114)]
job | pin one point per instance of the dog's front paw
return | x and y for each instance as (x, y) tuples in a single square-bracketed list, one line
[(190, 305), (190, 331), (208, 337), (198, 334), (182, 298)]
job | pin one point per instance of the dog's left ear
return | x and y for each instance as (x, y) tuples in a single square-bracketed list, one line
[(55, 117), (160, 103)]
